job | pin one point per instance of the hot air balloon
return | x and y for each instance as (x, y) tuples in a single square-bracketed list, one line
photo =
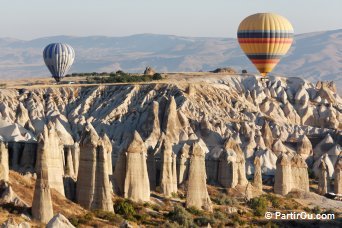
[(265, 38), (58, 58)]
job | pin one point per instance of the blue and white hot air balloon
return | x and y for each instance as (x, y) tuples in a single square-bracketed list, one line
[(58, 58)]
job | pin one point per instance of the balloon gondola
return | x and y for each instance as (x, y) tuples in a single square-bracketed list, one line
[(265, 38), (58, 58)]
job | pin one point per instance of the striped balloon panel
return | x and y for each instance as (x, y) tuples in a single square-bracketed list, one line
[(58, 58), (265, 38)]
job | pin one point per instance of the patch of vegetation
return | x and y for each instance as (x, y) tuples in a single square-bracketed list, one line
[(316, 210), (4, 85), (204, 221), (107, 216), (116, 77), (78, 220), (157, 76), (194, 211), (237, 221), (181, 216), (274, 200), (259, 205), (223, 199), (125, 208)]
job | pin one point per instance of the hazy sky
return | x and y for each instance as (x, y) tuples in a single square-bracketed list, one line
[(27, 19)]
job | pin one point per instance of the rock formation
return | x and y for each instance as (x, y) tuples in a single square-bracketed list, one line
[(300, 176), (231, 144), (283, 175), (149, 71), (4, 169), (183, 161), (304, 147), (338, 176), (93, 187), (197, 194), (257, 181), (228, 169), (55, 160), (137, 185), (323, 179), (167, 174), (42, 204), (59, 221), (267, 135)]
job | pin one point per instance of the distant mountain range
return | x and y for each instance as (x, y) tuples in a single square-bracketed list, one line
[(314, 56)]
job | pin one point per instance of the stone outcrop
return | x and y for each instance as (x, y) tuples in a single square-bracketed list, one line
[(228, 169), (167, 174), (149, 71), (231, 144), (197, 194), (93, 187), (257, 181), (338, 176), (42, 209), (171, 125), (279, 147), (300, 176), (55, 159), (183, 161), (304, 147), (283, 175), (267, 135), (137, 185), (323, 179), (59, 221), (4, 169)]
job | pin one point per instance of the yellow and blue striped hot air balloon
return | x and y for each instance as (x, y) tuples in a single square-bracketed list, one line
[(265, 38)]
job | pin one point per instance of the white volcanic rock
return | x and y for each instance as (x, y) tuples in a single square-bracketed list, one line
[(283, 175), (304, 147), (93, 187), (300, 176), (22, 116), (278, 147), (137, 185), (323, 179), (323, 146), (42, 209), (183, 161), (167, 173), (4, 167), (257, 180), (59, 221), (267, 160), (338, 176), (14, 132), (267, 135), (197, 194), (55, 158)]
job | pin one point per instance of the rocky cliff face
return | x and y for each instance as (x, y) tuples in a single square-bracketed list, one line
[(264, 118)]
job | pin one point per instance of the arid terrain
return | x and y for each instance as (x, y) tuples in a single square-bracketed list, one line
[(189, 150)]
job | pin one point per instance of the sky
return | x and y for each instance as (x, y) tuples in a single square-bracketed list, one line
[(29, 19)]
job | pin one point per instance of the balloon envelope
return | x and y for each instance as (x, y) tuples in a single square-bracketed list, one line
[(265, 38), (58, 58)]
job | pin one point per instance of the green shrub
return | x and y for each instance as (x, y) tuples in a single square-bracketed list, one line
[(223, 199), (203, 221), (194, 211), (259, 205), (125, 208), (106, 215), (181, 216), (157, 76), (274, 200)]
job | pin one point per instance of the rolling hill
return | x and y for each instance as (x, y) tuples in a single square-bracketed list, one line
[(314, 56)]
